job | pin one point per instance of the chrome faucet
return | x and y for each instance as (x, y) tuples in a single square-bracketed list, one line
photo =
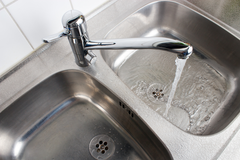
[(75, 28)]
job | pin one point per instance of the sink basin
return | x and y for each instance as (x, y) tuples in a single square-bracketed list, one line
[(207, 96), (70, 115)]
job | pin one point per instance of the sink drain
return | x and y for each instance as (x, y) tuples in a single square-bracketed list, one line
[(156, 93), (101, 147)]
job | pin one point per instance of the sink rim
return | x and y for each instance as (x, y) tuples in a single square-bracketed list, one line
[(178, 142)]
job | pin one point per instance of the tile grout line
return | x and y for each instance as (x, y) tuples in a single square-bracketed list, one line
[(2, 5), (71, 3), (5, 7), (10, 3)]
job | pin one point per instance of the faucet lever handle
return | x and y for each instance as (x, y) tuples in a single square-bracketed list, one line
[(72, 16), (69, 18), (54, 37)]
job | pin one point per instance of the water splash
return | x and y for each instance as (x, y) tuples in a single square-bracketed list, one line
[(180, 63), (200, 92)]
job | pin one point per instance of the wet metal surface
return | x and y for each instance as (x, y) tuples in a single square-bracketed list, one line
[(58, 57), (61, 117), (210, 79)]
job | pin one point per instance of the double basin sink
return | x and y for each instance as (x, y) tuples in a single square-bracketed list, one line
[(73, 115)]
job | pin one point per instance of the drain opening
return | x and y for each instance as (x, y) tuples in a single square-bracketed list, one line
[(156, 93), (101, 147)]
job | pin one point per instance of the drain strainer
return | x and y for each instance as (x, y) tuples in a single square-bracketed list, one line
[(101, 147), (156, 93)]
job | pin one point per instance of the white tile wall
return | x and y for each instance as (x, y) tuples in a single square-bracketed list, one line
[(25, 22), (6, 2), (86, 6), (39, 18), (13, 45)]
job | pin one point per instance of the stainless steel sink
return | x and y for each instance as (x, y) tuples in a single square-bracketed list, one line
[(70, 115), (207, 98)]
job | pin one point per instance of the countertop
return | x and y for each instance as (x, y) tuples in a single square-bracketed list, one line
[(55, 57)]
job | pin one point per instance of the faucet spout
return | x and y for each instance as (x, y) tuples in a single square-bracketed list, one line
[(183, 50), (75, 28)]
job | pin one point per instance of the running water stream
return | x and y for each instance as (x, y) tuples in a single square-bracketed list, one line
[(200, 90), (180, 63)]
